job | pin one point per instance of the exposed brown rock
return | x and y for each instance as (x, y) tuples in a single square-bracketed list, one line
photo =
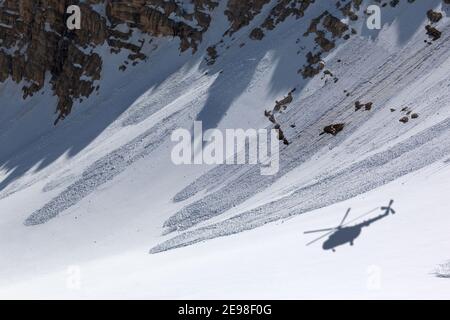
[(433, 33), (46, 47), (334, 25), (284, 9), (434, 16), (281, 135), (284, 102), (367, 106), (241, 13), (334, 129), (212, 54), (257, 34), (404, 119)]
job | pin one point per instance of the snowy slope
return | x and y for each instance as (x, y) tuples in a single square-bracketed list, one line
[(396, 258), (99, 191)]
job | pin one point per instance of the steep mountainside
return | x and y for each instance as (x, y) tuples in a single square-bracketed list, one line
[(37, 44), (362, 117)]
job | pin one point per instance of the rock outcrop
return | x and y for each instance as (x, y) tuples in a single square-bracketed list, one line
[(37, 46)]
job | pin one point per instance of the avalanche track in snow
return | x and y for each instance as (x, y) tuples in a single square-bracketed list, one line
[(99, 190), (339, 178), (381, 76)]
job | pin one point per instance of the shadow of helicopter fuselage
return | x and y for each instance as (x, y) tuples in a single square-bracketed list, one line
[(348, 235)]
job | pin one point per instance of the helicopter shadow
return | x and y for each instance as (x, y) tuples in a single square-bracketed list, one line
[(346, 233)]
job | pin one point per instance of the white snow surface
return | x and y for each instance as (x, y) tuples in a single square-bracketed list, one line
[(98, 198)]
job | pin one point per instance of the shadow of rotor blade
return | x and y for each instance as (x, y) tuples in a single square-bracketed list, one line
[(345, 217), (316, 231), (320, 238)]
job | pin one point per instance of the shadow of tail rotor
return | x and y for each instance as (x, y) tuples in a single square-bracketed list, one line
[(389, 209)]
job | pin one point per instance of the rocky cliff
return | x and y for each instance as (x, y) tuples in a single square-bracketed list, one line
[(37, 47)]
